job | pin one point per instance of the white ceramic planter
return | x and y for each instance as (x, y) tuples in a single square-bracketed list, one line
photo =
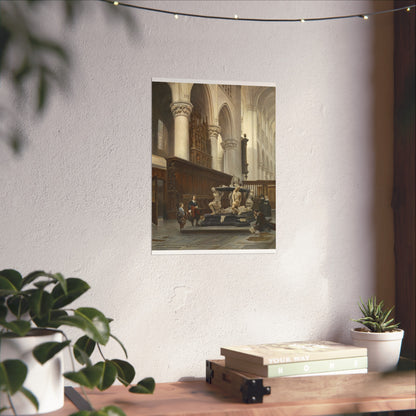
[(383, 348), (44, 381)]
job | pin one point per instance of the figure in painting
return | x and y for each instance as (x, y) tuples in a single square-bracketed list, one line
[(236, 199), (250, 201), (193, 211), (261, 224), (267, 209), (215, 204), (181, 216)]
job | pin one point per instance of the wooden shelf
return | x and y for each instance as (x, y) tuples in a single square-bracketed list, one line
[(374, 393)]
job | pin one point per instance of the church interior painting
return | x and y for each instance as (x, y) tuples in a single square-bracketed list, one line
[(213, 166)]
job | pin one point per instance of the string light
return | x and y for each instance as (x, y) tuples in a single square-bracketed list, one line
[(248, 19)]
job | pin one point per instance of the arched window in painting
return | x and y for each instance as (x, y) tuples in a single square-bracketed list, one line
[(162, 120), (162, 137)]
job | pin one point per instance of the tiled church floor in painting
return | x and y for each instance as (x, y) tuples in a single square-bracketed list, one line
[(166, 236)]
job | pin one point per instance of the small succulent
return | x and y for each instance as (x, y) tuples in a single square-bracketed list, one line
[(375, 318)]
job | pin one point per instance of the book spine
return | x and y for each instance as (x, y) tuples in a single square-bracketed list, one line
[(309, 367), (261, 358), (313, 367), (333, 373)]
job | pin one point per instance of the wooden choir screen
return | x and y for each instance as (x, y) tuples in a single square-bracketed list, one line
[(186, 179), (263, 187), (200, 147)]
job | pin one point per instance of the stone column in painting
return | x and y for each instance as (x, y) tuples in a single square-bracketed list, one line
[(213, 132), (260, 171), (231, 157), (181, 113), (250, 126)]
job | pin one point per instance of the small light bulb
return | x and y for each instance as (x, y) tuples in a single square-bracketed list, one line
[(235, 16), (302, 20), (408, 9), (176, 16), (115, 3), (365, 17)]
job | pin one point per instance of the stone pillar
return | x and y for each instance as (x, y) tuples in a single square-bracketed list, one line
[(251, 130), (260, 172), (231, 165), (181, 113), (213, 132)]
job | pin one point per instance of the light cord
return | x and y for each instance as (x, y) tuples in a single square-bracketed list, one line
[(364, 16)]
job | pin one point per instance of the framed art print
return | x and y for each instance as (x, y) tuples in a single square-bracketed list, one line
[(213, 167)]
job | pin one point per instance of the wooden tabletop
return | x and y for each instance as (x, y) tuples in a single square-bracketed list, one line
[(197, 397)]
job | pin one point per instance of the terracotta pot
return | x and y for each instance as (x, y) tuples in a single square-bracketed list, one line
[(44, 381), (383, 348)]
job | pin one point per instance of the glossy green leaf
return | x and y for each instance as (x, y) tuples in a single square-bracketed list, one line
[(75, 321), (53, 278), (12, 375), (75, 288), (108, 374), (82, 357), (40, 304), (83, 348), (45, 351), (89, 320), (62, 281), (31, 277), (145, 386), (43, 284), (110, 411), (105, 411), (83, 413), (7, 287), (98, 328), (18, 327), (13, 276), (3, 312), (55, 316), (29, 395), (125, 371), (88, 376), (18, 305)]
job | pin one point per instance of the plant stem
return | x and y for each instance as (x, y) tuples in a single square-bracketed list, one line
[(101, 353), (11, 404), (19, 310), (73, 369)]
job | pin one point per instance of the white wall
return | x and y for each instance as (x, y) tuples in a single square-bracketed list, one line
[(78, 199)]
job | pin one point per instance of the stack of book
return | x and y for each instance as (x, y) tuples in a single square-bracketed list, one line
[(296, 359)]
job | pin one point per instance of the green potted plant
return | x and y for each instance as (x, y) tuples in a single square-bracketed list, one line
[(380, 334), (34, 311)]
